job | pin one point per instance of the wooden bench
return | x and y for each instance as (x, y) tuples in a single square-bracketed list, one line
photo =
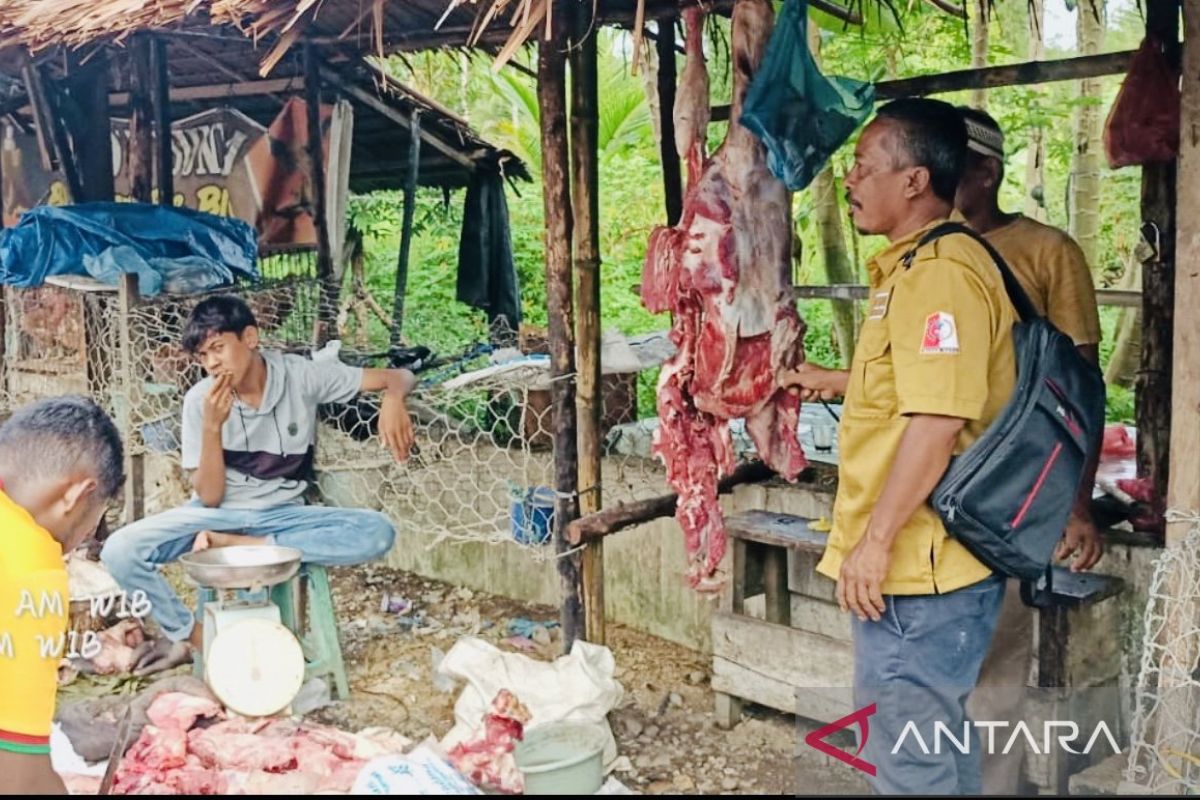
[(798, 657)]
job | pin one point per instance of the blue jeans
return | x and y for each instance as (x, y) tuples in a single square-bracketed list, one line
[(918, 664), (326, 536)]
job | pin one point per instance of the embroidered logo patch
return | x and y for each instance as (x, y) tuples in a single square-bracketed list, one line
[(941, 334)]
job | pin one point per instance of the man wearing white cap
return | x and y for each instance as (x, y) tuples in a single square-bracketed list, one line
[(1052, 270)]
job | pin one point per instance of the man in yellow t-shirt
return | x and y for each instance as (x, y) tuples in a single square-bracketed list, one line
[(60, 464), (1052, 270), (933, 367)]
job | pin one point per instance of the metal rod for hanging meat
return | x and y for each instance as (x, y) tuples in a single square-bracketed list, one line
[(585, 131), (556, 193), (406, 229)]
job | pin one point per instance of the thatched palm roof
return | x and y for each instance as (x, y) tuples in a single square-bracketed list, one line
[(347, 26), (214, 61)]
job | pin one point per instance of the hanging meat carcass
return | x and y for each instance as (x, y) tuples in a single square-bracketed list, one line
[(723, 272)]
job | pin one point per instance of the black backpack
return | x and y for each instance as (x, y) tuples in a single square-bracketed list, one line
[(1008, 497)]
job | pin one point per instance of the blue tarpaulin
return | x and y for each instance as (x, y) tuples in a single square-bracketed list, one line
[(189, 250)]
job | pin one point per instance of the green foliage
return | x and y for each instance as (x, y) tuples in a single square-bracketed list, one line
[(503, 107)]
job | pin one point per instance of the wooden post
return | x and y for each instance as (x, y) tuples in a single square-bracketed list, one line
[(406, 229), (672, 176), (141, 126), (327, 306), (556, 194), (131, 384), (1183, 489), (1153, 412), (585, 206), (87, 124), (52, 133), (162, 121)]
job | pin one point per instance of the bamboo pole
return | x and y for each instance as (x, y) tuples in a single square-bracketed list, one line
[(585, 188), (130, 382), (1153, 410), (556, 193), (141, 126), (406, 229), (327, 307), (1025, 74)]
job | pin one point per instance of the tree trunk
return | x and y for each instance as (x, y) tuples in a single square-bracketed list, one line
[(1160, 188), (1035, 154), (1085, 166), (979, 49), (585, 213), (560, 313), (649, 78), (1127, 350), (836, 257)]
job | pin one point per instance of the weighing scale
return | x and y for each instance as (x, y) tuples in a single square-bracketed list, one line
[(252, 662)]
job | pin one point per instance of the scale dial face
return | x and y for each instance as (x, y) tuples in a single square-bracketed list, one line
[(255, 667)]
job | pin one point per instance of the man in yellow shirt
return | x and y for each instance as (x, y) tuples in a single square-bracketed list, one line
[(1052, 270), (60, 463), (933, 367)]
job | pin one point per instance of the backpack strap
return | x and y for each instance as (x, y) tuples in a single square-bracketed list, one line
[(1016, 295)]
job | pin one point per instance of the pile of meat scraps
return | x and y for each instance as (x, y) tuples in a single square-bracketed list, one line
[(486, 759), (724, 273), (120, 648), (192, 747)]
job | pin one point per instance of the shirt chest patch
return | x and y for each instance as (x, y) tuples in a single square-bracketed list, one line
[(880, 301), (941, 334)]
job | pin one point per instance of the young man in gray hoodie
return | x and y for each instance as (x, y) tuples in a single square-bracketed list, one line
[(249, 433)]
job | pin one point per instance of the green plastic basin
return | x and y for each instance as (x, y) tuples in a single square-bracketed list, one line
[(562, 758)]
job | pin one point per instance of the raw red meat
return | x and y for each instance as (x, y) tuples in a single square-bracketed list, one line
[(179, 711), (118, 648), (241, 756), (1117, 443), (222, 749), (159, 748), (1149, 512), (723, 272), (486, 759)]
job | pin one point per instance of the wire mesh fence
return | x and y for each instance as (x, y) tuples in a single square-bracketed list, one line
[(482, 468), (1165, 753)]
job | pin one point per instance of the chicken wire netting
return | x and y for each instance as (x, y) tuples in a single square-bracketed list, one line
[(482, 466), (1165, 754)]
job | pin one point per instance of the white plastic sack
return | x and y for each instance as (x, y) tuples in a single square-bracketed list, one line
[(578, 687), (421, 772)]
